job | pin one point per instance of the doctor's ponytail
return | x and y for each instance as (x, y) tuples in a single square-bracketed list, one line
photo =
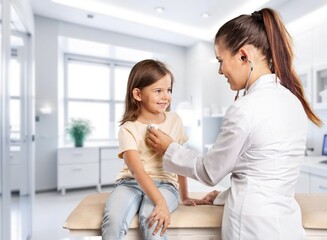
[(280, 44)]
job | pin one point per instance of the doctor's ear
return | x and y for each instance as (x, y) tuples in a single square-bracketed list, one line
[(137, 94), (244, 54)]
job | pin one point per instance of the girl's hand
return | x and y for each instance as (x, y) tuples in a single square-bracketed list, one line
[(194, 202), (211, 196), (161, 215)]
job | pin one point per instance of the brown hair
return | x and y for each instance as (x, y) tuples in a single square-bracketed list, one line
[(265, 31), (143, 74)]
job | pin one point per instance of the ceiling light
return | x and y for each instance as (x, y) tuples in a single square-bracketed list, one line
[(134, 16), (159, 9), (205, 15), (100, 7)]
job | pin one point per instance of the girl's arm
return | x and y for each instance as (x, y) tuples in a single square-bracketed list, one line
[(160, 213), (183, 191)]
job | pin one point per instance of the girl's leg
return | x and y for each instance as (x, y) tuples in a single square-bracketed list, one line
[(170, 193), (123, 203)]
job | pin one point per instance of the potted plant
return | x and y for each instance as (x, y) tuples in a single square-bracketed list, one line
[(78, 130)]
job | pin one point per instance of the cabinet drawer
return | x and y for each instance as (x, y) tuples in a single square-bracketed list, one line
[(78, 175), (318, 184), (109, 153), (78, 155), (303, 183)]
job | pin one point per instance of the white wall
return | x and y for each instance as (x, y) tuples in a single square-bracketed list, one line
[(47, 32)]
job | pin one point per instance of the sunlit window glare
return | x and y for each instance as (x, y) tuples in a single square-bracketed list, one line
[(88, 81), (96, 92)]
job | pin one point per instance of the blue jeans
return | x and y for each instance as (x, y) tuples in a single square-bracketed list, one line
[(127, 199)]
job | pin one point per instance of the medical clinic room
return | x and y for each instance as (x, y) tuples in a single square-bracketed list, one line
[(163, 119)]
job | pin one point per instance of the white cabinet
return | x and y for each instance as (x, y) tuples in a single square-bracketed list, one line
[(313, 176), (303, 183), (78, 167), (110, 165), (318, 184)]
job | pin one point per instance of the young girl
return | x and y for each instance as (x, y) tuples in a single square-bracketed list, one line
[(143, 185)]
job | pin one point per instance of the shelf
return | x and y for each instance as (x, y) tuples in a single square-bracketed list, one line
[(320, 87)]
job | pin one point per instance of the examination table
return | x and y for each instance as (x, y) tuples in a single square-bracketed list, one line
[(192, 223)]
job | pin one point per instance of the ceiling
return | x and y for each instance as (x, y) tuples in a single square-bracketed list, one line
[(180, 23)]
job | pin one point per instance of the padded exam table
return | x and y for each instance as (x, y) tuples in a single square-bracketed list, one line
[(192, 222)]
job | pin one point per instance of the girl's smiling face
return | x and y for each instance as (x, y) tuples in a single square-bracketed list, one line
[(155, 98)]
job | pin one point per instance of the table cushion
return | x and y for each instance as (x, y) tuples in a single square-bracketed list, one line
[(89, 212), (314, 209)]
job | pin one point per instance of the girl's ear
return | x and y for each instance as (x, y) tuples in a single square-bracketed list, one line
[(137, 94)]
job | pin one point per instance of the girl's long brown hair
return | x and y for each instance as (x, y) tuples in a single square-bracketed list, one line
[(143, 74), (264, 30)]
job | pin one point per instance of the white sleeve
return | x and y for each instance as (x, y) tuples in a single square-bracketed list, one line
[(183, 161), (211, 168), (222, 197)]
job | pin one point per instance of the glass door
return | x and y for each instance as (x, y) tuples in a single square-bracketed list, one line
[(5, 197), (21, 142), (16, 124), (18, 136)]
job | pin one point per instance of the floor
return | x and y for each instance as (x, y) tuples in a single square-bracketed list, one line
[(51, 209)]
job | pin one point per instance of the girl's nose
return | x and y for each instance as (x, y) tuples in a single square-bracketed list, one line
[(166, 94), (220, 71)]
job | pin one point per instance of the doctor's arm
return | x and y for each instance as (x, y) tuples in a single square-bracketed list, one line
[(220, 160), (177, 158), (159, 141)]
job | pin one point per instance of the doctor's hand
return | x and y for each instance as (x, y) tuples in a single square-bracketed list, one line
[(158, 140), (211, 196), (194, 202)]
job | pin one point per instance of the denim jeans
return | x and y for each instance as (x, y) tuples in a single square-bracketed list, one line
[(126, 199)]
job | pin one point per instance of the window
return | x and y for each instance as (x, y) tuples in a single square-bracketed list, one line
[(14, 99), (95, 90)]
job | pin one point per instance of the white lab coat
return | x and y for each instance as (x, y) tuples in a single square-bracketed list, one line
[(262, 143)]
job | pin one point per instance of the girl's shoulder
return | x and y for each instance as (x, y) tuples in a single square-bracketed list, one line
[(172, 115), (173, 118), (130, 126)]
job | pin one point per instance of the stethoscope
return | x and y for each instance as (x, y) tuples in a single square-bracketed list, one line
[(247, 81)]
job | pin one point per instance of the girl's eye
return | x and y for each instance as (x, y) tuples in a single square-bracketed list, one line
[(170, 91)]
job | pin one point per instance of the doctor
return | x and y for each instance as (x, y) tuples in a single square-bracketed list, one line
[(262, 139)]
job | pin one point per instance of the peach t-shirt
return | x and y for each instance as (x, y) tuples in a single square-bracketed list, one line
[(132, 137)]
